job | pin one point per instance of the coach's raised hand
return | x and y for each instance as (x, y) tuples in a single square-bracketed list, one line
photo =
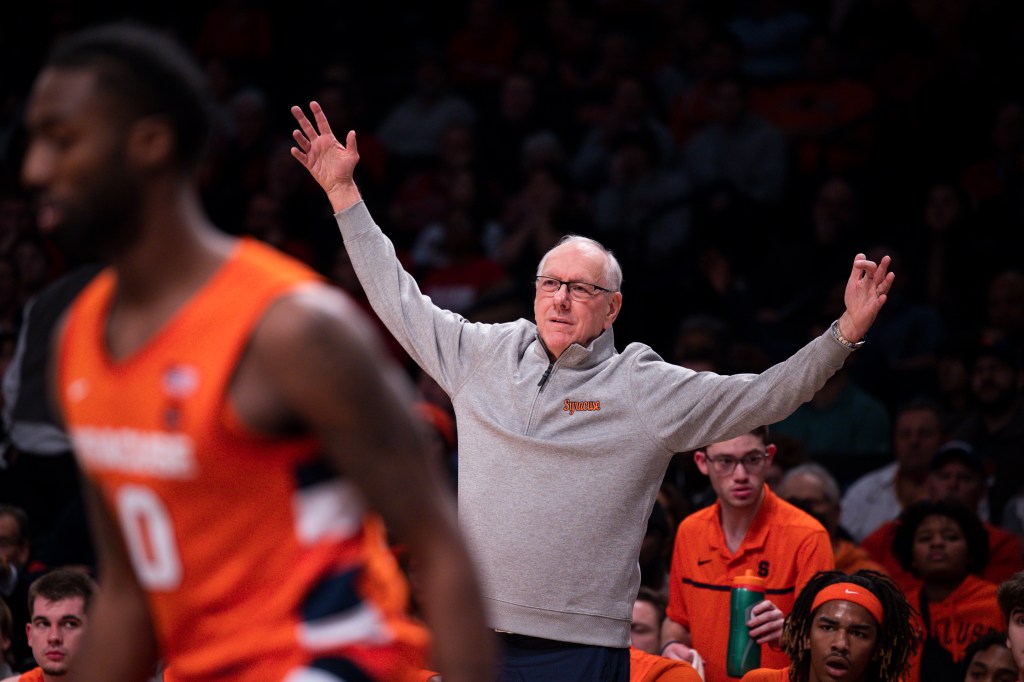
[(330, 162)]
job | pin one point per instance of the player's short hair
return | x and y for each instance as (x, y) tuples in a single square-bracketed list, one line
[(151, 75), (1011, 595), (60, 584)]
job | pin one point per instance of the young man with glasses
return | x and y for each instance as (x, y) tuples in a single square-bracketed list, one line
[(553, 419), (748, 528)]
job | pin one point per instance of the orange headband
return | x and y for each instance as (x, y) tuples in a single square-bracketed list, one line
[(852, 593)]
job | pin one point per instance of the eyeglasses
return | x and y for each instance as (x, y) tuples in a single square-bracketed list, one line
[(579, 291), (725, 465)]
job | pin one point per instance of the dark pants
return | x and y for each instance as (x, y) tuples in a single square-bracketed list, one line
[(531, 659)]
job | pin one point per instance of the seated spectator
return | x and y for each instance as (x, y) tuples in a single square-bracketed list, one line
[(879, 495), (655, 550), (1011, 603), (812, 488), (989, 660), (995, 427), (738, 156), (748, 528), (645, 665), (957, 475), (641, 208), (629, 113), (58, 605), (946, 548), (841, 419), (856, 628), (7, 640), (15, 552), (412, 130), (826, 114), (470, 274)]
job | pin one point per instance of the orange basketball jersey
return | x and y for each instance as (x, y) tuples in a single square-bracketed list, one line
[(259, 561)]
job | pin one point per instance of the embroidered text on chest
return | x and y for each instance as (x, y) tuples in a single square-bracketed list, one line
[(573, 406)]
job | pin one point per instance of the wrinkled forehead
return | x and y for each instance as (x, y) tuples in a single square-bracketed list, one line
[(577, 262)]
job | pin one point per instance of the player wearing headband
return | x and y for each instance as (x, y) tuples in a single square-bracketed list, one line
[(855, 628)]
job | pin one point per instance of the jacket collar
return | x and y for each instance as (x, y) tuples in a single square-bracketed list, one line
[(599, 350)]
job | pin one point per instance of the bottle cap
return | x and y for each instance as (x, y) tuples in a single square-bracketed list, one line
[(749, 581)]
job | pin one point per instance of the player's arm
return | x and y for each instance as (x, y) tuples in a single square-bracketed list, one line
[(119, 643), (318, 355)]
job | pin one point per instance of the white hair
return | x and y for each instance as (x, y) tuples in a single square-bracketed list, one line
[(612, 274), (828, 482)]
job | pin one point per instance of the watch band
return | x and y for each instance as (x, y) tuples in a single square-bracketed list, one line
[(838, 336)]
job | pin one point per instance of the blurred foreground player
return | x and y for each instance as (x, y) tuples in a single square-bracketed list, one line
[(233, 415)]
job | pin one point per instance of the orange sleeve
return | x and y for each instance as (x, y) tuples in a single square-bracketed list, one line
[(645, 667), (676, 609), (1006, 556)]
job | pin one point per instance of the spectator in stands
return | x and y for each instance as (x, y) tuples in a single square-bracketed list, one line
[(1011, 603), (411, 131), (945, 546), (7, 640), (1005, 309), (957, 475), (988, 659), (739, 158), (58, 606), (995, 427), (841, 420), (878, 496), (15, 551), (812, 488), (645, 665), (748, 528)]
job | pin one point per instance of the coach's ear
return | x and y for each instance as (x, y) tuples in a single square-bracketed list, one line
[(770, 449), (700, 458)]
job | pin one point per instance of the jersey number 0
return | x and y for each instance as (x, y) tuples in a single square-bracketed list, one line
[(149, 534)]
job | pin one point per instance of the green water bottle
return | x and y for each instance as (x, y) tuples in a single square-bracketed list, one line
[(744, 654)]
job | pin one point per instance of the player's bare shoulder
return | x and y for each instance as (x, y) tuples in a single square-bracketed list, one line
[(312, 313), (313, 355)]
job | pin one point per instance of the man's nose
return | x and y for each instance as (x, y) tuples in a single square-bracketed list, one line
[(561, 294), (54, 634), (36, 167), (840, 642)]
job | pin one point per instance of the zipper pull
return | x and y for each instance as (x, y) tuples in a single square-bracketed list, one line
[(547, 373)]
